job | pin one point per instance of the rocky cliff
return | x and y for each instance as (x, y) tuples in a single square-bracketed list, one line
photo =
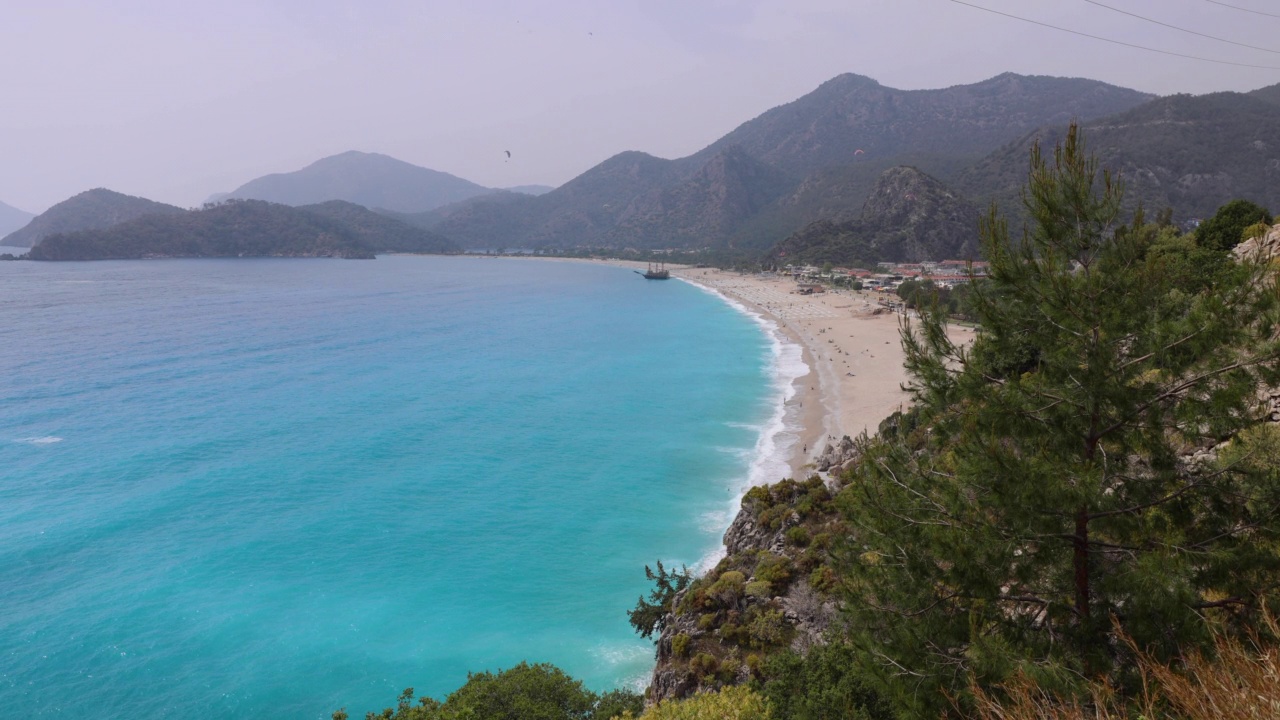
[(909, 217), (771, 592)]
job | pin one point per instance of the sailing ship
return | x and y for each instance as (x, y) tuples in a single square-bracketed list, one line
[(656, 271)]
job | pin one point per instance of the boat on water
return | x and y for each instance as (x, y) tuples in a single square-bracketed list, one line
[(656, 271)]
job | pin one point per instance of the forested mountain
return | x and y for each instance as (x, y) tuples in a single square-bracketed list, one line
[(1189, 153), (939, 128), (90, 210), (909, 217), (815, 158), (243, 228), (1270, 93), (380, 233), (11, 219), (368, 179)]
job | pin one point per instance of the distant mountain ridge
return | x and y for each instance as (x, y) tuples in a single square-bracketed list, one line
[(790, 166), (379, 233), (246, 228), (11, 219), (1189, 153), (369, 179), (90, 210)]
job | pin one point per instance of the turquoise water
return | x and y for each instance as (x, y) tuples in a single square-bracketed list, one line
[(270, 488)]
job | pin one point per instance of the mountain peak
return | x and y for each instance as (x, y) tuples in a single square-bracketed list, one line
[(368, 179), (94, 209)]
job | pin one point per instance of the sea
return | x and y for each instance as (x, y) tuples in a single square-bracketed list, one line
[(273, 488)]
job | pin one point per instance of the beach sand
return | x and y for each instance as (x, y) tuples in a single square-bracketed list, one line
[(851, 345)]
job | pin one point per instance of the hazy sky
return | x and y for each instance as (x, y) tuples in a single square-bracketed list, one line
[(178, 100)]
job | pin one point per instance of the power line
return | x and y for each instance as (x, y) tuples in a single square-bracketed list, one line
[(1180, 29), (1116, 42), (1243, 9)]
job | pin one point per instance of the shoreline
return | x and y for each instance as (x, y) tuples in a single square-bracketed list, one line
[(849, 343)]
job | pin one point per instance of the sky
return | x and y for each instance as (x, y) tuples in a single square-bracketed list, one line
[(175, 101)]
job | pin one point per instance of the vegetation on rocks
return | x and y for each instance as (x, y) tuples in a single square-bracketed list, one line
[(524, 692)]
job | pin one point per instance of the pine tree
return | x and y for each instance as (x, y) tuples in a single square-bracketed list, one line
[(1046, 498)]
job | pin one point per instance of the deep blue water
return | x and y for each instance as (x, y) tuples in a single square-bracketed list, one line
[(270, 488)]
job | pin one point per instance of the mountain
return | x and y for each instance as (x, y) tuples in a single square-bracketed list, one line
[(90, 210), (379, 233), (1270, 94), (1189, 153), (812, 159), (942, 127), (11, 219), (706, 208), (236, 228), (367, 179), (909, 217), (530, 189)]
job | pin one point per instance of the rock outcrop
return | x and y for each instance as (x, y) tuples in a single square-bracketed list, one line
[(771, 593)]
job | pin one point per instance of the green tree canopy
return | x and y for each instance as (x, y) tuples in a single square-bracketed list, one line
[(523, 692), (1226, 228), (1049, 492)]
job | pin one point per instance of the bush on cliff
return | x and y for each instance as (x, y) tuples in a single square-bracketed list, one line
[(524, 692), (821, 685), (732, 703)]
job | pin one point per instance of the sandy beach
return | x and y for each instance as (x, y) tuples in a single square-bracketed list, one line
[(851, 345)]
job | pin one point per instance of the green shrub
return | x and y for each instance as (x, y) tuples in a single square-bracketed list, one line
[(823, 579), (729, 669), (707, 622), (728, 589), (734, 634), (798, 536), (767, 628), (617, 703), (759, 589), (732, 703), (773, 569), (1226, 228), (704, 665), (825, 683), (680, 645)]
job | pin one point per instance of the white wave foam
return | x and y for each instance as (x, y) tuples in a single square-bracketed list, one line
[(46, 440), (778, 435), (623, 656)]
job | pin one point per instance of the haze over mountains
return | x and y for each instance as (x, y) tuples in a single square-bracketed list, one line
[(812, 159), (245, 228), (11, 218), (826, 175), (369, 179)]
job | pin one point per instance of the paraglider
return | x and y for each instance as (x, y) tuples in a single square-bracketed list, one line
[(508, 152), (859, 151)]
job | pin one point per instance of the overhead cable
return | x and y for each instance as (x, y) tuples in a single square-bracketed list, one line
[(1180, 29), (1116, 42), (1243, 9)]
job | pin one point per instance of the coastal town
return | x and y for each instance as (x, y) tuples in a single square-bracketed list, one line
[(887, 275)]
